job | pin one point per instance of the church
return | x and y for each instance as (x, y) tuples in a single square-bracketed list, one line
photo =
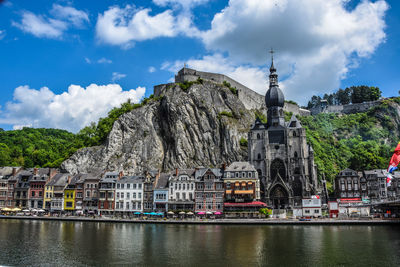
[(280, 153)]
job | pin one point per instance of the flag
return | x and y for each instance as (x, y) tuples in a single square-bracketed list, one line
[(394, 161), (315, 196)]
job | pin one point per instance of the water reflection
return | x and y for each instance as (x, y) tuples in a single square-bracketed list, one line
[(83, 243)]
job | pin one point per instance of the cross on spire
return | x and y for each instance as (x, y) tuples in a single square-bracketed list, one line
[(272, 53)]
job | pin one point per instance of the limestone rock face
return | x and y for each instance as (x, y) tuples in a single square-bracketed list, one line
[(198, 126)]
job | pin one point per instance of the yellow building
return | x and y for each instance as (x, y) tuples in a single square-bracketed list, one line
[(69, 199), (48, 194), (70, 195)]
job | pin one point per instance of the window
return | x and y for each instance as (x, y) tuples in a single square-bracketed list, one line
[(127, 195), (140, 186), (134, 186), (177, 196), (117, 205), (140, 195), (349, 185), (249, 175), (190, 196), (128, 186), (179, 186), (183, 186), (307, 211), (127, 205), (117, 194), (139, 205), (184, 196), (33, 193), (176, 186), (258, 157), (133, 195), (69, 204), (87, 193), (40, 193), (118, 186), (122, 186), (122, 195), (316, 211)]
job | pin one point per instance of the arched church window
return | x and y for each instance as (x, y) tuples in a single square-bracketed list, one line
[(281, 112), (259, 173), (294, 134), (295, 154), (275, 112), (278, 166), (259, 156), (258, 136)]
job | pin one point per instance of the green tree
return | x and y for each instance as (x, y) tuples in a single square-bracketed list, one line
[(5, 158)]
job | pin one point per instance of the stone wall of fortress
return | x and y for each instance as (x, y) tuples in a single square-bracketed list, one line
[(346, 109)]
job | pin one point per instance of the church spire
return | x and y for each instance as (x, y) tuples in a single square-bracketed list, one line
[(273, 76)]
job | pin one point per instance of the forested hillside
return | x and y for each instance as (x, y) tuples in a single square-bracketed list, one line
[(31, 147), (361, 141)]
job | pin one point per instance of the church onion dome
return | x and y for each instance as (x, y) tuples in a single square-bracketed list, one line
[(274, 97)]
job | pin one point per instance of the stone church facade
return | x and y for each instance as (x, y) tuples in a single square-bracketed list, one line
[(280, 153)]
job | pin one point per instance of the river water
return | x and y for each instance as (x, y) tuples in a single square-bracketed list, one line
[(55, 243)]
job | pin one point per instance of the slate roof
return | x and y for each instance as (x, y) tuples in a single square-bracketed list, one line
[(240, 166), (130, 179), (162, 181)]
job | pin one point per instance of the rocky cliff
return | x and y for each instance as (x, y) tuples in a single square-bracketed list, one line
[(188, 125)]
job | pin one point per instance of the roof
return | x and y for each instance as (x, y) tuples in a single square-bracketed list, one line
[(162, 182), (240, 166), (246, 204), (274, 97), (200, 172), (130, 179), (60, 179)]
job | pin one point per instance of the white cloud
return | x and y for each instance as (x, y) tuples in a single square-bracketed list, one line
[(152, 69), (2, 34), (104, 61), (51, 27), (88, 61), (117, 76), (180, 3), (41, 26), (122, 26), (317, 41), (77, 17), (71, 110)]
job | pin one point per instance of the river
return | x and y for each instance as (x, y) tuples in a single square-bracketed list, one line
[(56, 243)]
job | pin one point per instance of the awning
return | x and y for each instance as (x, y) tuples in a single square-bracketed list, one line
[(6, 209), (228, 191), (243, 183), (182, 213), (250, 183), (171, 212), (246, 204)]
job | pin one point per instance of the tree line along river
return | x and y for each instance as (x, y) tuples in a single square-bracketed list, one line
[(57, 243)]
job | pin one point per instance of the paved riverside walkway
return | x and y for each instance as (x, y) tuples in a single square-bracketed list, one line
[(215, 221)]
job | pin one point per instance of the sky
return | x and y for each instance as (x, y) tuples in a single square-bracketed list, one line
[(65, 64)]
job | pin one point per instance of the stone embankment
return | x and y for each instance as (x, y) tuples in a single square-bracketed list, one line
[(214, 221)]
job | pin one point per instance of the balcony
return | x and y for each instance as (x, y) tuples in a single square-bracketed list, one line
[(242, 192)]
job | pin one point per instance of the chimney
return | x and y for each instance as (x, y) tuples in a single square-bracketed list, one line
[(52, 173), (14, 171), (224, 166), (176, 172), (69, 179), (121, 173), (35, 171)]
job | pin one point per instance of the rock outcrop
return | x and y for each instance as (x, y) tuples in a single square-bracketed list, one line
[(185, 127)]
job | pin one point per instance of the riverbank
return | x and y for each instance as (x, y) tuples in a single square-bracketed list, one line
[(213, 221)]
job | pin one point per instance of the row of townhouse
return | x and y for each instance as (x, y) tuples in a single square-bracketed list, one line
[(367, 185), (196, 190)]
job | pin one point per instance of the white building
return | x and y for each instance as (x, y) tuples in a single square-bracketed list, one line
[(129, 194), (181, 190), (311, 207)]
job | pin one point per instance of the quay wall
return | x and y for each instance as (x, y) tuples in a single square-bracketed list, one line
[(213, 221)]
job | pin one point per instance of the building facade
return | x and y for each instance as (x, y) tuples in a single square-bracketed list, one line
[(241, 183), (107, 187), (160, 194), (181, 190), (347, 184), (280, 153), (129, 195), (209, 190), (91, 193)]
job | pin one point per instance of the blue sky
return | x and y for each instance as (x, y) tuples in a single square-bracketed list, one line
[(64, 64)]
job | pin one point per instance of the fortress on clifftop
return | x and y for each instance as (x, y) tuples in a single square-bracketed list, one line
[(249, 98)]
